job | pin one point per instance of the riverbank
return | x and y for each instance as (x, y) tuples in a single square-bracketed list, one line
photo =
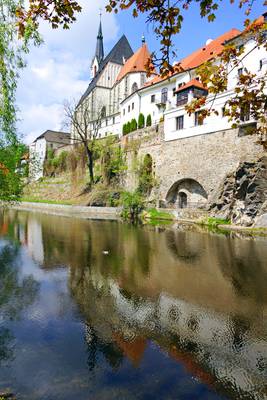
[(114, 213), (111, 213)]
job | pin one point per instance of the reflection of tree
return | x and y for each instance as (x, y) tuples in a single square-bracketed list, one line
[(96, 346), (15, 294)]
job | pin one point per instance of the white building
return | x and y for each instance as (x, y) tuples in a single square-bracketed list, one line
[(38, 150), (121, 88)]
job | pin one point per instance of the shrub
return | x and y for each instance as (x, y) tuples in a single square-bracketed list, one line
[(148, 120), (146, 179), (141, 121), (132, 204), (133, 125)]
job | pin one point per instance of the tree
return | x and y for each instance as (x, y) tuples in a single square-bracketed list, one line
[(133, 125), (148, 120), (85, 128), (141, 121)]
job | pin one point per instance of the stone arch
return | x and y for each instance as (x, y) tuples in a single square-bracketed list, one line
[(187, 192)]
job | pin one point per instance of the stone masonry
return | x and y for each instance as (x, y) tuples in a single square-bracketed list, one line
[(204, 159)]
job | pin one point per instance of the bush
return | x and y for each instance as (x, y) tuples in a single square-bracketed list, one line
[(133, 125), (141, 121), (148, 120), (132, 204)]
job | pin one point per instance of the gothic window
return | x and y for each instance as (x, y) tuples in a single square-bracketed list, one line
[(164, 95), (103, 112), (134, 87), (126, 86), (143, 78)]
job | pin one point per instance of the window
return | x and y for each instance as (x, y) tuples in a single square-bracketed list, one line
[(179, 122), (153, 98), (106, 122), (143, 79), (245, 113), (261, 65), (113, 120), (223, 111), (126, 85), (103, 112), (181, 84), (173, 91), (240, 71), (182, 98), (124, 111), (164, 95), (198, 119), (134, 87), (129, 108), (132, 106)]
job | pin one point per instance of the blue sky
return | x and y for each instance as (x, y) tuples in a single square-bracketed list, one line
[(60, 69), (195, 31)]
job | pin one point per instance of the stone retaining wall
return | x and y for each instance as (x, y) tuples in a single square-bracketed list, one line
[(206, 159)]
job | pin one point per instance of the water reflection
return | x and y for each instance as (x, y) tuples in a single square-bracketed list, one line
[(154, 302)]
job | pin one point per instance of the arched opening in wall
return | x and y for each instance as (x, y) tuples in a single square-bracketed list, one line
[(103, 111), (182, 199), (95, 70), (146, 175), (187, 193), (134, 87)]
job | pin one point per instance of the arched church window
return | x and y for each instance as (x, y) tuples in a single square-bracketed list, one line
[(164, 95), (134, 87), (103, 111), (95, 70)]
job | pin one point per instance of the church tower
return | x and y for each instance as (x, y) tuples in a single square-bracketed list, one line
[(99, 51)]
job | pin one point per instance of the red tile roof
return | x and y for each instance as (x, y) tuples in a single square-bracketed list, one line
[(203, 54), (209, 51), (136, 63), (193, 82)]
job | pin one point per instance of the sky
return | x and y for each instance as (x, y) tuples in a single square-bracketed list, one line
[(59, 69)]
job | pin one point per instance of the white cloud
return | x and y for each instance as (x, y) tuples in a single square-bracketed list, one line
[(60, 69)]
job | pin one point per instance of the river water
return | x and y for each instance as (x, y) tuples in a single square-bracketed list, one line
[(106, 310)]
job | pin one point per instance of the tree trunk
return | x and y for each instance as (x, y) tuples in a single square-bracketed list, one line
[(90, 164)]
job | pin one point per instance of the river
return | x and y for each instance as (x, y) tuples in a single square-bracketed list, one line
[(106, 310)]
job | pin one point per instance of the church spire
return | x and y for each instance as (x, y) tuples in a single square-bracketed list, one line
[(99, 52)]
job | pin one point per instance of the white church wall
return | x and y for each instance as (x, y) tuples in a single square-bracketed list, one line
[(109, 75)]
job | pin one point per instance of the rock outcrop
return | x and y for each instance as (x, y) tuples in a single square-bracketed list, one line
[(243, 194)]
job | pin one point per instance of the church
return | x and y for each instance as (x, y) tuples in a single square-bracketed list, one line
[(114, 77)]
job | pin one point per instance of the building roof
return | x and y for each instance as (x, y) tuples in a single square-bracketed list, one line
[(192, 83), (201, 55), (209, 51), (137, 63), (55, 136)]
